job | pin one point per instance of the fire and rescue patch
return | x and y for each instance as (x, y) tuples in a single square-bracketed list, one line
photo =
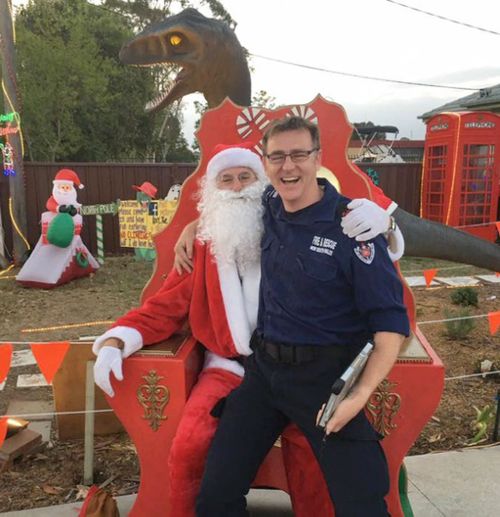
[(365, 252)]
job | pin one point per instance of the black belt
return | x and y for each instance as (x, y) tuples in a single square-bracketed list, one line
[(294, 354)]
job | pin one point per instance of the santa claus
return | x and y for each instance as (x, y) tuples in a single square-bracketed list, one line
[(219, 297), (63, 200), (60, 255)]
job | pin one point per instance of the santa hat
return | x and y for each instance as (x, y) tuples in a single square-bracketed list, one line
[(146, 187), (68, 176), (239, 155)]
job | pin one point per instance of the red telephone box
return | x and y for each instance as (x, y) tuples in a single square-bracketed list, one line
[(461, 172)]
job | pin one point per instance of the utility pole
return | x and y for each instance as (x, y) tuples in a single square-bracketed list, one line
[(13, 136)]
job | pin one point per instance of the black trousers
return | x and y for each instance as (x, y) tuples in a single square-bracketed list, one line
[(271, 395)]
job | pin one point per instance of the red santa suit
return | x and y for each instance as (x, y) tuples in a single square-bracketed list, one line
[(222, 312)]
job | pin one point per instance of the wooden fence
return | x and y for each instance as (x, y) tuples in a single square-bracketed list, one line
[(107, 182)]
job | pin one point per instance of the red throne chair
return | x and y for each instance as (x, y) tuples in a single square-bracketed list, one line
[(159, 378)]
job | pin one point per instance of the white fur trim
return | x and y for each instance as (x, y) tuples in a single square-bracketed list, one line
[(235, 157), (216, 361), (251, 284), (234, 305), (396, 246), (391, 207), (132, 340)]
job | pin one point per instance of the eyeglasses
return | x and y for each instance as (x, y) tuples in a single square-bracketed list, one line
[(244, 178), (298, 156)]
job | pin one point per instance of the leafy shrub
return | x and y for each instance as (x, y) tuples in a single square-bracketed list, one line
[(460, 328), (464, 296)]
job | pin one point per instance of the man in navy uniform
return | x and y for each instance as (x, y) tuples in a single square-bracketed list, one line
[(323, 295)]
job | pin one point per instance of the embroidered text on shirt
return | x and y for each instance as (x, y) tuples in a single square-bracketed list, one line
[(323, 245)]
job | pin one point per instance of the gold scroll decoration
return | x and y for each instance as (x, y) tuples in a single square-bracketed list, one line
[(383, 406), (153, 397)]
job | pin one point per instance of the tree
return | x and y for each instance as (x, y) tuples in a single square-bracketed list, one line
[(80, 103)]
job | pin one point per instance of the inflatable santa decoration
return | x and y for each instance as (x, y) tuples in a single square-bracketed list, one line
[(60, 255)]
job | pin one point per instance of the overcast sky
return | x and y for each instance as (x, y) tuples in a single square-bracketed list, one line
[(369, 37)]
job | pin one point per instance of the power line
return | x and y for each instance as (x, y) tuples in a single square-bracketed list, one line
[(360, 76), (458, 22)]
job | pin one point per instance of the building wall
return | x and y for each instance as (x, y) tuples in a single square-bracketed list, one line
[(107, 182)]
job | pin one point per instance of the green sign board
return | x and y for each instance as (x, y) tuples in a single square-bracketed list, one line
[(109, 208)]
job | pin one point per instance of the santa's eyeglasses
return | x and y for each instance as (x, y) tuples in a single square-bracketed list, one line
[(244, 178)]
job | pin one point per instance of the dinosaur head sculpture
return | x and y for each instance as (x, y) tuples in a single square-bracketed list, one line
[(210, 58)]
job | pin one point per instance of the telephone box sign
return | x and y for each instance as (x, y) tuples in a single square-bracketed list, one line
[(439, 127), (479, 124)]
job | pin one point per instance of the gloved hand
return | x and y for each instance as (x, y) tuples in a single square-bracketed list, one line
[(365, 221), (109, 359), (72, 211), (62, 209)]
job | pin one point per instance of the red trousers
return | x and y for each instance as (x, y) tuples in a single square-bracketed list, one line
[(194, 435)]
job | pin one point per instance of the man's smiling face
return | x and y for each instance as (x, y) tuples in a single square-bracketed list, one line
[(295, 182)]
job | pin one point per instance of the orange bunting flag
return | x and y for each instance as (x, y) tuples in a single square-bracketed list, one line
[(429, 275), (5, 358), (3, 430), (494, 321), (49, 357), (498, 226)]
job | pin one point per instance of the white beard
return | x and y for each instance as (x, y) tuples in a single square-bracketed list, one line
[(232, 223), (65, 198)]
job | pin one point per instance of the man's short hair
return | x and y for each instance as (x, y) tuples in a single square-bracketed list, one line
[(291, 124)]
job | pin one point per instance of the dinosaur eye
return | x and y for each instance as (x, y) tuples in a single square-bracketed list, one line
[(175, 40)]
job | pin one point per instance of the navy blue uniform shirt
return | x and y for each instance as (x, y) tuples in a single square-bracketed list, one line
[(320, 287)]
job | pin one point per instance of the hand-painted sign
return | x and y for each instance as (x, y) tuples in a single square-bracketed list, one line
[(140, 221)]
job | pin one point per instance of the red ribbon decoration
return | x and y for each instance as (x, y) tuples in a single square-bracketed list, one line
[(5, 359), (49, 357), (494, 321), (3, 430), (429, 275)]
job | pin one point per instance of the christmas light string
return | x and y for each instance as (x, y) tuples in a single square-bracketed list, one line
[(16, 114), (12, 77), (68, 326), (14, 223), (6, 270)]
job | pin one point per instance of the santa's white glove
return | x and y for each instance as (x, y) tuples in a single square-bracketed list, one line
[(365, 221), (109, 359)]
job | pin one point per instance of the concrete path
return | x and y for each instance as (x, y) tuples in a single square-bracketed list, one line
[(463, 483)]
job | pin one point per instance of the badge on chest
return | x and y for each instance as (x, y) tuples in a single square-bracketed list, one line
[(365, 252)]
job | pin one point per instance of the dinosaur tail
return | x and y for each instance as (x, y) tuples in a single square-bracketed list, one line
[(425, 238)]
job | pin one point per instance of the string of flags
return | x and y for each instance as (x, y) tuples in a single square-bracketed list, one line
[(50, 355), (429, 274)]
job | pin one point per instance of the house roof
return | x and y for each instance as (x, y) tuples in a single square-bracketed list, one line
[(487, 99)]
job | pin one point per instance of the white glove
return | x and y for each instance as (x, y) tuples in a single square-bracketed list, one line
[(109, 359), (365, 221)]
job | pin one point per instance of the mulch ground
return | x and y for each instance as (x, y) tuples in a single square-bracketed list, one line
[(53, 474)]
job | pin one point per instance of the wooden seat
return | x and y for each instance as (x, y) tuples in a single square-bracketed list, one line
[(159, 378)]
